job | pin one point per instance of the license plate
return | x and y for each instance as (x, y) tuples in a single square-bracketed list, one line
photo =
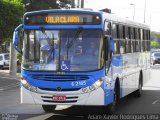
[(59, 98)]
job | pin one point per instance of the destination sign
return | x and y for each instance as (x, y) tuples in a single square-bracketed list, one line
[(62, 19)]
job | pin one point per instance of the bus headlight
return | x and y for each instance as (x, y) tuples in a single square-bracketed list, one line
[(85, 90), (98, 83), (94, 86), (26, 85)]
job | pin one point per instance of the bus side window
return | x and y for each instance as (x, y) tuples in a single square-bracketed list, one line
[(121, 34), (148, 40), (116, 47), (115, 36), (114, 31), (122, 46), (137, 40), (107, 28), (121, 40), (144, 40), (128, 41), (132, 39)]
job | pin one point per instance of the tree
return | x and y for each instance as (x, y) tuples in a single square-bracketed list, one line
[(10, 16), (34, 5), (155, 40), (11, 12), (155, 44)]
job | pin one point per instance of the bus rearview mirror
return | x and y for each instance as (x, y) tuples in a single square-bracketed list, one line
[(16, 39)]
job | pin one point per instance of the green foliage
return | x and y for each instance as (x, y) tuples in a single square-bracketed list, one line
[(155, 44), (155, 36), (11, 12), (34, 5), (19, 56)]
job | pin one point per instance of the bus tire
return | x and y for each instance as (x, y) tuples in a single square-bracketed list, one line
[(49, 108), (138, 92), (112, 108)]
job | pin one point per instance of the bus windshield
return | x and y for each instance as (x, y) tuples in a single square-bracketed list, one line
[(62, 50)]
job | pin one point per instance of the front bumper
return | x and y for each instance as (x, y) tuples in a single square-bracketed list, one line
[(44, 97)]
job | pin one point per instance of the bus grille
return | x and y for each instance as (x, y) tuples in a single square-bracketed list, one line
[(60, 78), (51, 89)]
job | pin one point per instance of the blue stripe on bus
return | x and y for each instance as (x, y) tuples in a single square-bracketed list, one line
[(63, 27), (93, 76)]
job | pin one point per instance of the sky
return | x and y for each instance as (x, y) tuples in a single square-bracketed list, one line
[(123, 9)]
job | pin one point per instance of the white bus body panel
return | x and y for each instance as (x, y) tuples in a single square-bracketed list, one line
[(93, 98)]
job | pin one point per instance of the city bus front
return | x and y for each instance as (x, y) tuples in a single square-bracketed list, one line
[(63, 58)]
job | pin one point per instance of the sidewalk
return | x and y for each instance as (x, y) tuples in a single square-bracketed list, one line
[(6, 73), (8, 81)]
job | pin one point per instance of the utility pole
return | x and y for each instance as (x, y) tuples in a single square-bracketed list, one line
[(13, 61), (133, 9), (82, 3), (145, 11)]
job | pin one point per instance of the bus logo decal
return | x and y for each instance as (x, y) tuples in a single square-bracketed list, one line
[(59, 89)]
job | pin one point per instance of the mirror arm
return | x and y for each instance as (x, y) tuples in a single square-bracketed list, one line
[(15, 39), (19, 26)]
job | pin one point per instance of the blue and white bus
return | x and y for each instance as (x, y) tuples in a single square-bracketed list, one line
[(81, 57)]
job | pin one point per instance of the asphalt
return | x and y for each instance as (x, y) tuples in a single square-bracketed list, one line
[(147, 104)]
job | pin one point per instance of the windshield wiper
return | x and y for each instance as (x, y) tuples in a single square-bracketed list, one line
[(70, 43)]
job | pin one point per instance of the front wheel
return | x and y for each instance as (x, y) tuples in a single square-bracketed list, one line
[(111, 108), (49, 108), (138, 92)]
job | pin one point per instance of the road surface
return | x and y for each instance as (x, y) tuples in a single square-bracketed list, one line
[(10, 105)]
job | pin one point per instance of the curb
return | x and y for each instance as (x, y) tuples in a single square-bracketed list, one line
[(6, 74)]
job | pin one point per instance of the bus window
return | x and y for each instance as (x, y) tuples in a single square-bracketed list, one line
[(136, 34), (121, 34), (149, 34), (129, 32), (133, 46), (143, 45), (137, 45), (128, 45), (132, 33), (116, 47), (114, 30), (122, 46), (144, 35), (126, 32), (107, 28), (118, 32)]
